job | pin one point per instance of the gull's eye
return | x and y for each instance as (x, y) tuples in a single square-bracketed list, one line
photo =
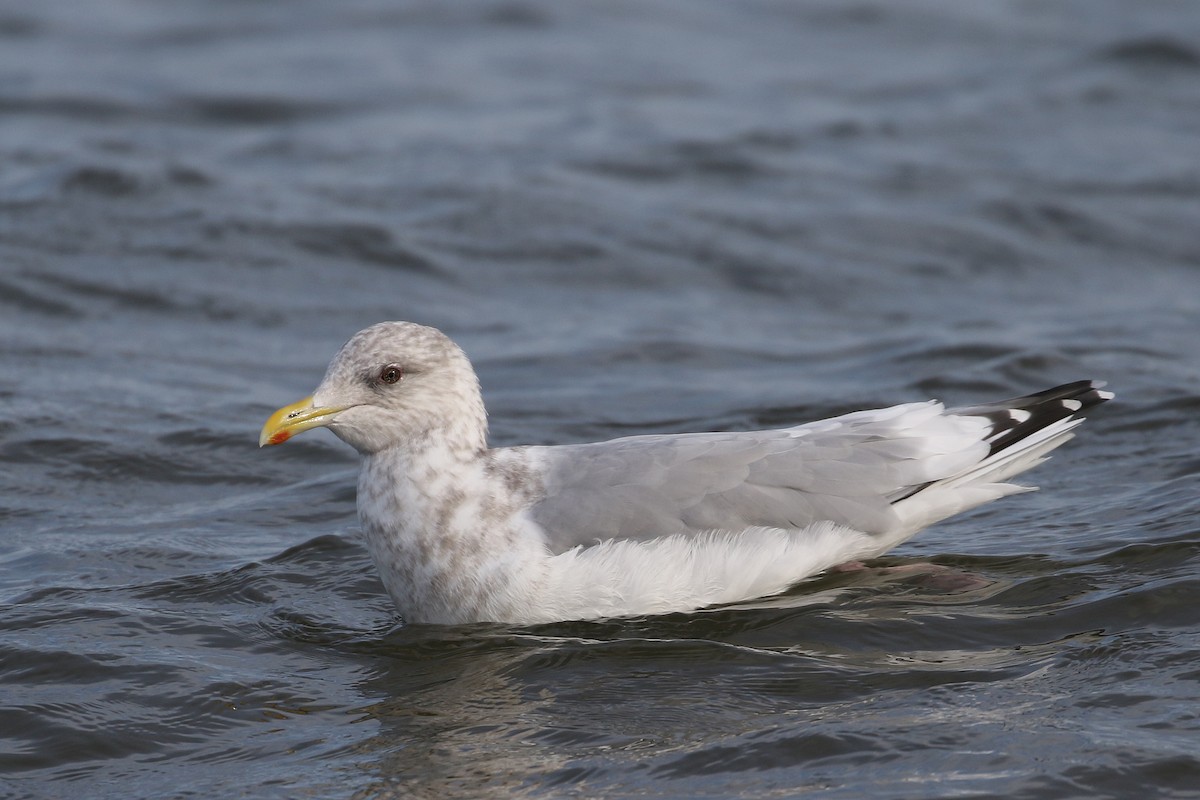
[(392, 373)]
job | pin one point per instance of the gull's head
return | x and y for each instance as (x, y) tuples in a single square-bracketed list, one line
[(394, 383)]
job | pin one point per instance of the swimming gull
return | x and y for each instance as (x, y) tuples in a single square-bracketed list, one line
[(642, 524)]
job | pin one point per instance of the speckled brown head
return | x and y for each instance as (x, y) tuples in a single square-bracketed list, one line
[(392, 385)]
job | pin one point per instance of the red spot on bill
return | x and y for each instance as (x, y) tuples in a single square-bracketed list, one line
[(279, 438)]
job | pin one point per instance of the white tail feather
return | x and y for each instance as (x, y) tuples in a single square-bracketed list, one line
[(980, 484)]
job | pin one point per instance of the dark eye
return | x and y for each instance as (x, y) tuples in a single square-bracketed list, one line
[(392, 373)]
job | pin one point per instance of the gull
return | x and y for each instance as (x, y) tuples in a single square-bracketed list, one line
[(640, 525)]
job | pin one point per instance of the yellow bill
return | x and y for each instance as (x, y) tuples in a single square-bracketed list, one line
[(296, 418)]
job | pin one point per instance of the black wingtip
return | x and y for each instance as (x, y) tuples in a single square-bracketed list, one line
[(1014, 419)]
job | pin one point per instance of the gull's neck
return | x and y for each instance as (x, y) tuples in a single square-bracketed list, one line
[(445, 534), (418, 492)]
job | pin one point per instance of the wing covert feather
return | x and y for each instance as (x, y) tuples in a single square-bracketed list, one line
[(845, 470)]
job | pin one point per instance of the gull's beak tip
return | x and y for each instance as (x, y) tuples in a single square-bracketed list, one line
[(290, 420)]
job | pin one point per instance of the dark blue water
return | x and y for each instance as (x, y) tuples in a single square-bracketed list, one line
[(635, 218)]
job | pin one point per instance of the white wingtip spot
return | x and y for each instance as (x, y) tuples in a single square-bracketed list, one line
[(1105, 395), (1072, 405), (1018, 415)]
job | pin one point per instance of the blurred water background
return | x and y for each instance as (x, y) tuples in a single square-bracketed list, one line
[(635, 217)]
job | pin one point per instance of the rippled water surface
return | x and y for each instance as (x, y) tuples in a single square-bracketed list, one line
[(634, 217)]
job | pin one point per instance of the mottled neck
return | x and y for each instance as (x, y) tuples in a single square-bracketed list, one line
[(446, 537), (417, 490)]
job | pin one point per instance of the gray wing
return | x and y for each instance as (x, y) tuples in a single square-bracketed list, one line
[(846, 470)]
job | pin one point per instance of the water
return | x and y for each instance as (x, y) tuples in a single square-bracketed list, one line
[(634, 217)]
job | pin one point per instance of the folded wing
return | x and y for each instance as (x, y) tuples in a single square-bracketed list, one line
[(850, 470)]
